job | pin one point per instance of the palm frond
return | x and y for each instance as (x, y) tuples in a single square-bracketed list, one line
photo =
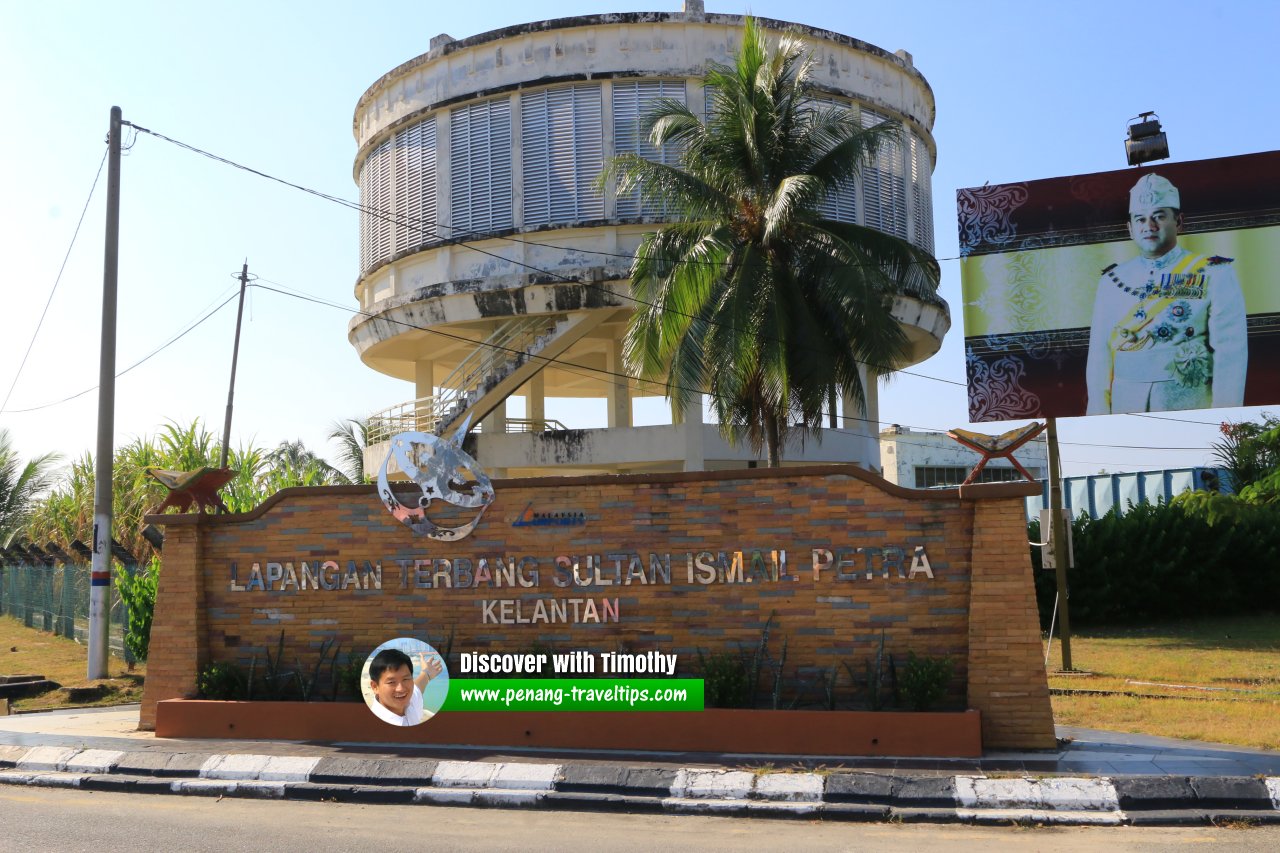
[(751, 294)]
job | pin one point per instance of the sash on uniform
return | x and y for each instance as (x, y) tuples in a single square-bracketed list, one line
[(1131, 334)]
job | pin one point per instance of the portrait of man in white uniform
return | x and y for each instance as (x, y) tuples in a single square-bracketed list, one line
[(1168, 327)]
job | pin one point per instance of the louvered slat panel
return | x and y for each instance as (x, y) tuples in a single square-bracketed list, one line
[(842, 204), (375, 203), (499, 199), (884, 184), (921, 194), (873, 180), (897, 183), (459, 172), (631, 101), (563, 154), (535, 158), (383, 203), (560, 156), (588, 142), (480, 167), (430, 230), (364, 215), (408, 195)]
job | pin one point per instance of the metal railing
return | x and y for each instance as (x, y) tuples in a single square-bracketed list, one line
[(56, 599), (526, 425), (415, 416), (508, 346), (412, 416), (512, 341)]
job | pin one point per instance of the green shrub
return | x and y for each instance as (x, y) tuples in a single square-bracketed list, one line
[(223, 681), (1199, 555), (875, 677), (346, 677), (726, 681), (924, 681), (138, 592)]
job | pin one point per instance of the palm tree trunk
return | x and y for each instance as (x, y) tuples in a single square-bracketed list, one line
[(771, 439)]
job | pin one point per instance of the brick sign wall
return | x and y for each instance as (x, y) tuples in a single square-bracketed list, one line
[(676, 563)]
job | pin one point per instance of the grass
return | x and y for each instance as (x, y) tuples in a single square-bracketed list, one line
[(27, 651), (1223, 676)]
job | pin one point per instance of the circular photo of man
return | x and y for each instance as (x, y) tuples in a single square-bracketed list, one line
[(404, 682)]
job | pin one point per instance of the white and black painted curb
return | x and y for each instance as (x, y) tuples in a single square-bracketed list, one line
[(840, 795)]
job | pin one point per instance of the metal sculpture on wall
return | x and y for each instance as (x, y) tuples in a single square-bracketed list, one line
[(996, 446), (443, 470), (193, 490)]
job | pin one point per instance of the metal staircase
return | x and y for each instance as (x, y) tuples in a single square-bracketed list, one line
[(499, 365), (515, 352)]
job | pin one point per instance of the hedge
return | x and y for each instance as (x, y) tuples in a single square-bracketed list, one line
[(1166, 561)]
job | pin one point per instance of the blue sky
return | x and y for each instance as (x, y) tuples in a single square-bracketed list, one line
[(1024, 91)]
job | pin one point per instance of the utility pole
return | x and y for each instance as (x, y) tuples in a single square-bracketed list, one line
[(1059, 537), (100, 570), (235, 356)]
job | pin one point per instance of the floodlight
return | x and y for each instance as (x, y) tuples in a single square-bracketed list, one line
[(1146, 140)]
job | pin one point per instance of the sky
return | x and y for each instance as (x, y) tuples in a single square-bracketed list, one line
[(1023, 90)]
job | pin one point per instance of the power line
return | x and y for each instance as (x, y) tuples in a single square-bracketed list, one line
[(56, 281), (137, 363), (1175, 420), (424, 227), (549, 360), (577, 369), (1072, 443)]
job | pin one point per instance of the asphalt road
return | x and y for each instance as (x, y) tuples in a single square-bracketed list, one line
[(71, 820)]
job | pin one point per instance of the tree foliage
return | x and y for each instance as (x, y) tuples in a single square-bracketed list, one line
[(21, 484), (1164, 561), (138, 592), (1250, 451), (66, 512), (751, 294), (352, 437)]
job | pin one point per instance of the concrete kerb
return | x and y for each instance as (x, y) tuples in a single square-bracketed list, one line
[(843, 795)]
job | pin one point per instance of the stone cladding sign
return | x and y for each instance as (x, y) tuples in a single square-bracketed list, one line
[(831, 559)]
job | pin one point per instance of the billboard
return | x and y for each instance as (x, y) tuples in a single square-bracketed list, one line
[(1140, 290)]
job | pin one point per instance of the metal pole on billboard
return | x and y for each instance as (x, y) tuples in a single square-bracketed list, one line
[(100, 570), (1059, 539)]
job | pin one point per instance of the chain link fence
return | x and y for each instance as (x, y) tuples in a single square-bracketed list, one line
[(56, 599)]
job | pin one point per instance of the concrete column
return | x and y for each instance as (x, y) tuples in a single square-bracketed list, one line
[(1007, 680), (606, 115), (495, 423), (180, 630), (865, 422), (517, 166), (536, 407), (619, 388), (424, 370), (444, 176), (423, 386), (694, 453)]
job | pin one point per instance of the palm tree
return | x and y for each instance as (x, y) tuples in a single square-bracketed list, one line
[(751, 294), (292, 464), (20, 484), (352, 436), (66, 512)]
